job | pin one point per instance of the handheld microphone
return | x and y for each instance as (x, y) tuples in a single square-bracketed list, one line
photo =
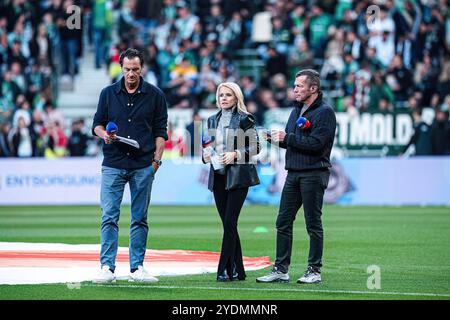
[(303, 123), (206, 139), (111, 128)]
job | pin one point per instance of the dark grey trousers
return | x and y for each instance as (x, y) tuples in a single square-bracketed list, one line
[(307, 189)]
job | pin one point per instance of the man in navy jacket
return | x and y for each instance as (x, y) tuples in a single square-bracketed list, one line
[(139, 111), (308, 164)]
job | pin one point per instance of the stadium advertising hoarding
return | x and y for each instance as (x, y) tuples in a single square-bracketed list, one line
[(353, 181), (362, 134), (357, 134), (78, 180)]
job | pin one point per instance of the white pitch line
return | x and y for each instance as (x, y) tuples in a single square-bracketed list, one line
[(272, 289)]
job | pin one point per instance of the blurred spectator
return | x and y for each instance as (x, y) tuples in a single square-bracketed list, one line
[(276, 63), (382, 36), (400, 80), (208, 95), (279, 88), (16, 55), (281, 36), (297, 21), (233, 35), (318, 29), (55, 140), (426, 78), (353, 45), (374, 63), (78, 140), (9, 91), (183, 72), (36, 82), (23, 111), (18, 77), (299, 57), (69, 41), (185, 22), (248, 87), (215, 21), (421, 137), (444, 83), (151, 61), (379, 91), (114, 68), (440, 134), (361, 88), (225, 73), (265, 102), (446, 104), (349, 107), (41, 47), (345, 19), (146, 14), (5, 150), (22, 139), (52, 115), (102, 24)]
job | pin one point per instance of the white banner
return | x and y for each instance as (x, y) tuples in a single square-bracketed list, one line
[(77, 181), (353, 181)]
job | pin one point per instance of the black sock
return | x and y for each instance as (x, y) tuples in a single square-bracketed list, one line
[(133, 270), (112, 270)]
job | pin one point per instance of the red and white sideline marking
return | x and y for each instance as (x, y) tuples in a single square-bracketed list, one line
[(34, 263)]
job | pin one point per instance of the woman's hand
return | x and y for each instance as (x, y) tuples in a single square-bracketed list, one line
[(206, 156), (227, 157)]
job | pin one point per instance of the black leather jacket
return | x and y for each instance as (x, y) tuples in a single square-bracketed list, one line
[(241, 135)]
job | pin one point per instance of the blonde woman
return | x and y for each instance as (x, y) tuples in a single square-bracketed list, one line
[(234, 145)]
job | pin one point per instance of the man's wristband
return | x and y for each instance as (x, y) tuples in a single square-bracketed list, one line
[(158, 162)]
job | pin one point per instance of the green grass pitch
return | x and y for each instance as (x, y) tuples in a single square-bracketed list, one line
[(410, 245)]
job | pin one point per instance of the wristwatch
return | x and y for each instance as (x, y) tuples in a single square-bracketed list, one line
[(158, 162)]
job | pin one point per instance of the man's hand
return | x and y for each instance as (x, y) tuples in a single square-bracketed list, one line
[(227, 157), (109, 138), (278, 136), (155, 167)]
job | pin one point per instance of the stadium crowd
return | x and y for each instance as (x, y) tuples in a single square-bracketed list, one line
[(390, 57)]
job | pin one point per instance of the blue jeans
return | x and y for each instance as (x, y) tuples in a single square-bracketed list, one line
[(112, 188)]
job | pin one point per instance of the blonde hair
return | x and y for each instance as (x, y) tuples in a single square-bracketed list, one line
[(237, 93)]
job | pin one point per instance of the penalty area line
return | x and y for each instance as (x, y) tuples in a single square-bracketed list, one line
[(271, 289)]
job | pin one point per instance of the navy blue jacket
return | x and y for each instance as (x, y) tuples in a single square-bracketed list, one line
[(310, 149), (141, 116)]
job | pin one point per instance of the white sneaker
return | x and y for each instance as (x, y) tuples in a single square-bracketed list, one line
[(140, 275), (274, 276), (311, 276), (105, 276)]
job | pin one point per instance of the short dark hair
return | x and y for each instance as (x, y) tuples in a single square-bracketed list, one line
[(131, 53), (312, 77)]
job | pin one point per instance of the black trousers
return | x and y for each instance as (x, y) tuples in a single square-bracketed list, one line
[(307, 189), (229, 205)]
